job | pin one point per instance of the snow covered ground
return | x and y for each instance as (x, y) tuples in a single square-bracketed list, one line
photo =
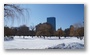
[(41, 43)]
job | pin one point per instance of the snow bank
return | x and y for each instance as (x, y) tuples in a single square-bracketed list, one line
[(8, 38), (73, 45)]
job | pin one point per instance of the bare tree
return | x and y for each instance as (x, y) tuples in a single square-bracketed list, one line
[(12, 10), (78, 25), (23, 31), (15, 12), (32, 30), (44, 29), (59, 33), (79, 30)]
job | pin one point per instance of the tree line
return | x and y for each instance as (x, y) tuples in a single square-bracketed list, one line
[(45, 30), (42, 29)]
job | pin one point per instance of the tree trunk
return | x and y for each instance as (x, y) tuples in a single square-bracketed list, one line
[(44, 37), (40, 36), (59, 37), (32, 36)]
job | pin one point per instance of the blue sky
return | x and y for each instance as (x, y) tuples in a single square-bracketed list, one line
[(66, 14)]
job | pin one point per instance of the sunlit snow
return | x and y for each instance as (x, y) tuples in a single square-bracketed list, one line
[(40, 43)]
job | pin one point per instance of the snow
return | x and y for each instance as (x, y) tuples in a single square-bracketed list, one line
[(40, 43), (73, 45), (8, 38)]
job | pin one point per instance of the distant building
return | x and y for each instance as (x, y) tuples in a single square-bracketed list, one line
[(52, 21)]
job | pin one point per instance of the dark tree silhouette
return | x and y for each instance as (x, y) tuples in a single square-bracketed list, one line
[(23, 31), (66, 32), (44, 29), (12, 10), (59, 32), (32, 28), (79, 30)]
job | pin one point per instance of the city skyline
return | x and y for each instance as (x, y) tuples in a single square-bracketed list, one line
[(66, 14)]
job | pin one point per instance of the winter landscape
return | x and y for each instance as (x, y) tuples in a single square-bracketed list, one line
[(41, 43), (44, 26)]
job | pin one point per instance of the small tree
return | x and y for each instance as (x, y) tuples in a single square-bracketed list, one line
[(67, 32), (71, 30), (23, 30), (32, 28), (8, 32), (59, 32)]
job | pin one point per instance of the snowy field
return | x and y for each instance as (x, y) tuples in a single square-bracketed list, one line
[(41, 43)]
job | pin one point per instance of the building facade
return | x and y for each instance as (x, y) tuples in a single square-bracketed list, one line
[(52, 21)]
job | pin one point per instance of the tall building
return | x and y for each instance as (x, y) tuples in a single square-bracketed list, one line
[(52, 21)]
